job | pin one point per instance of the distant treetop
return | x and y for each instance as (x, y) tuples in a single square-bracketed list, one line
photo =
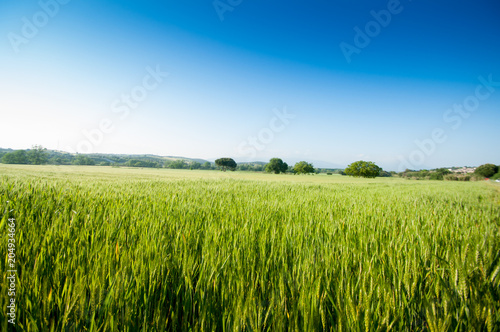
[(226, 163), (366, 169)]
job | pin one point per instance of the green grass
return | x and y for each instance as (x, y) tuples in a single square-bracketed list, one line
[(140, 249)]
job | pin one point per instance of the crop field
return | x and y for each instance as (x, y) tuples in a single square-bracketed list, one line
[(116, 249)]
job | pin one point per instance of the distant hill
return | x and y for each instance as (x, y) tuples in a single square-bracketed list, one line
[(262, 163), (149, 157), (56, 157)]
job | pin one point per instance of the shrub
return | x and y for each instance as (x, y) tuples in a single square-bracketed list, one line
[(457, 177), (487, 170)]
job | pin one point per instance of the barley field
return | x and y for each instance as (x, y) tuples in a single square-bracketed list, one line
[(116, 249)]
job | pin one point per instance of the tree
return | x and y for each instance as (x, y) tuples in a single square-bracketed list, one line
[(178, 164), (83, 160), (206, 165), (439, 173), (277, 166), (486, 170), (226, 163), (366, 169), (15, 157), (37, 155), (142, 163), (303, 167), (257, 168), (195, 165), (56, 160), (385, 174)]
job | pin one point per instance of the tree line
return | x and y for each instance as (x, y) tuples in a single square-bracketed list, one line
[(39, 155), (366, 169), (485, 171)]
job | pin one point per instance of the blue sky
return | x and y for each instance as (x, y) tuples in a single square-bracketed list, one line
[(401, 83)]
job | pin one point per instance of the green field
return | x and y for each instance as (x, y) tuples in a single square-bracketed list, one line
[(115, 249)]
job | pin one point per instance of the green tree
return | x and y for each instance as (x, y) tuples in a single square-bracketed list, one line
[(37, 155), (439, 173), (303, 167), (56, 160), (257, 168), (142, 163), (15, 157), (178, 164), (486, 170), (226, 163), (206, 165), (276, 166), (366, 169), (195, 165), (385, 174), (83, 160)]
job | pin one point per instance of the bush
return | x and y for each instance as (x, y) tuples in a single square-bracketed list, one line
[(476, 177), (450, 177), (457, 177), (496, 176), (385, 174), (141, 163), (487, 170), (436, 176), (83, 160), (16, 157), (178, 164)]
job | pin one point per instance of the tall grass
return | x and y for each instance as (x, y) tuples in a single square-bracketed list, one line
[(98, 251)]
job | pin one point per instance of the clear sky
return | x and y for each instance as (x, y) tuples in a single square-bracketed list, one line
[(401, 83)]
